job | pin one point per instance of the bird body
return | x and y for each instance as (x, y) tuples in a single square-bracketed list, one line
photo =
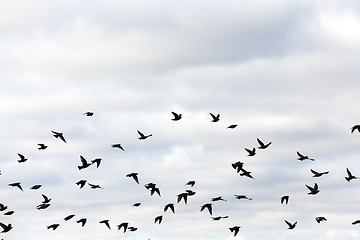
[(320, 219), (232, 126), (242, 197), (59, 135)]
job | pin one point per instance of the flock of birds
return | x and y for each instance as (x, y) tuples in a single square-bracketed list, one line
[(152, 187)]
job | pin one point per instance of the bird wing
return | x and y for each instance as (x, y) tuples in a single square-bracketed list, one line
[(175, 114), (288, 223), (316, 187), (140, 133), (348, 172), (83, 160), (300, 155), (260, 142), (310, 188), (314, 172)]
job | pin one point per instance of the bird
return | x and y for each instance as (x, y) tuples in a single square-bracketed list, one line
[(43, 206), (97, 161), (355, 127), (158, 219), (8, 213), (235, 229), (22, 158), (136, 204), (88, 114), (16, 184), (355, 222), (251, 152), (190, 183), (183, 196), (318, 174), (176, 116), (46, 199), (117, 145), (218, 218), (134, 176), (217, 199), (291, 225), (84, 163), (3, 207), (35, 187), (132, 229), (349, 176), (95, 186), (313, 190), (215, 118), (59, 135), (284, 199), (303, 157), (106, 222), (208, 206), (53, 226), (320, 219), (155, 190), (81, 183), (237, 166), (82, 221), (262, 145), (42, 146), (242, 197), (232, 126), (169, 206), (67, 218), (246, 173), (142, 136), (190, 192), (5, 227), (124, 225)]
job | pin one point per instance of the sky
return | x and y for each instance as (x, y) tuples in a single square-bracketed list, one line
[(286, 72)]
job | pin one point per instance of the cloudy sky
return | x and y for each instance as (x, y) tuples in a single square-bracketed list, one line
[(285, 72)]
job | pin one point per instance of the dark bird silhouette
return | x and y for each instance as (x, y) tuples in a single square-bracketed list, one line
[(235, 230), (59, 135), (17, 184), (35, 187), (176, 116), (215, 118), (237, 166), (158, 219), (84, 163), (320, 219), (132, 229), (117, 145), (8, 213), (5, 227), (304, 157), (53, 226), (171, 206), (349, 176), (22, 158), (106, 222), (262, 145), (284, 199), (242, 197), (67, 218), (318, 174), (232, 126), (208, 206), (246, 173), (136, 204), (42, 146), (355, 222), (217, 199), (88, 114), (251, 152), (42, 206), (142, 136), (3, 207), (97, 161), (134, 176), (81, 183), (291, 225), (355, 127), (313, 190), (218, 218), (190, 183), (82, 221), (190, 192), (124, 225), (46, 199), (183, 196), (155, 190), (95, 186)]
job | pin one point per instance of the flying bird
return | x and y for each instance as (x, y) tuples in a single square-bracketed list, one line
[(215, 118), (242, 197), (142, 136), (355, 222), (53, 226), (43, 206), (232, 126), (84, 163), (42, 146), (169, 206), (284, 199), (97, 161), (5, 227), (158, 219), (46, 199), (237, 166), (355, 127), (67, 218), (176, 116), (94, 186), (320, 219), (117, 145), (251, 152), (313, 190), (190, 183), (106, 222), (59, 135), (17, 184), (88, 114), (136, 204), (8, 213), (262, 145), (183, 196), (82, 221), (124, 225), (217, 199), (246, 173), (35, 187), (132, 229), (22, 158), (81, 183), (218, 218), (349, 175), (235, 229), (304, 157), (3, 207), (291, 225), (318, 174), (134, 176), (208, 206)]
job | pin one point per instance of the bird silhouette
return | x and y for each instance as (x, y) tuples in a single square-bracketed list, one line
[(218, 218), (355, 127), (177, 116), (117, 145), (232, 126), (43, 206), (183, 196), (53, 226), (132, 229), (304, 157), (320, 219), (235, 230), (67, 218), (3, 207), (16, 184), (84, 163), (291, 225), (169, 206), (251, 152), (42, 146), (262, 145), (284, 199), (190, 183), (97, 161), (190, 192), (237, 166), (349, 175), (59, 135), (22, 158), (136, 204), (215, 118), (134, 176), (82, 221), (158, 219), (123, 225), (88, 114), (318, 174), (217, 199), (6, 228), (95, 186), (81, 183), (142, 136), (8, 213), (106, 222), (246, 173), (208, 206), (355, 222), (242, 197), (46, 199), (35, 187), (155, 190), (313, 190)]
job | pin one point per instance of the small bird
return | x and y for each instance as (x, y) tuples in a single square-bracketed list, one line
[(355, 222), (246, 173), (235, 229), (355, 127), (117, 145), (95, 186), (43, 206), (124, 225), (242, 197), (218, 218), (232, 126), (136, 204), (59, 135), (134, 176), (262, 145), (349, 176), (46, 199), (190, 192), (155, 190), (215, 118), (171, 206), (208, 206), (237, 166), (35, 187), (318, 174), (284, 199), (251, 152), (190, 183), (217, 199), (320, 219), (313, 190), (82, 221), (132, 229), (183, 196), (303, 157), (3, 207), (142, 136), (88, 114), (8, 213), (97, 161), (84, 163), (42, 146), (106, 222), (17, 184), (67, 218), (291, 225), (5, 227), (53, 226), (158, 219), (22, 158), (81, 183), (176, 116)]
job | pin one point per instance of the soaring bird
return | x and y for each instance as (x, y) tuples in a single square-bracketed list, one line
[(155, 190), (232, 126), (88, 114), (42, 146), (183, 196), (95, 186), (246, 173), (284, 199), (190, 192), (8, 213), (36, 187), (59, 135), (291, 225), (320, 219), (262, 145), (303, 157), (53, 226), (106, 222), (46, 199), (235, 229), (22, 158), (313, 190), (82, 221), (16, 184), (349, 176), (217, 199), (43, 206), (218, 218), (117, 145), (208, 206), (97, 161), (132, 229), (318, 174), (355, 222), (237, 166), (5, 227), (84, 163), (142, 136), (81, 183), (171, 206), (251, 152), (190, 183), (67, 218), (176, 116), (355, 127), (3, 207), (134, 176), (158, 219), (124, 225), (137, 204), (215, 118), (242, 197)]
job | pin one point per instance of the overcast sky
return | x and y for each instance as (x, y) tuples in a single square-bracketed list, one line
[(285, 72)]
